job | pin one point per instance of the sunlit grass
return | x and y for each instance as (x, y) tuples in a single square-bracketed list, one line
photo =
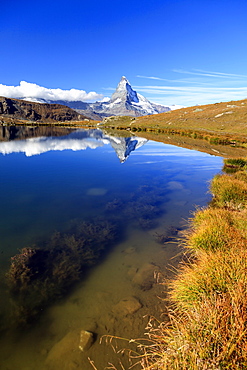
[(229, 191), (211, 273), (232, 165), (210, 335), (215, 229)]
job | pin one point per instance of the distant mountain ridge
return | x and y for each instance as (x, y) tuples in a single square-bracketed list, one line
[(124, 102)]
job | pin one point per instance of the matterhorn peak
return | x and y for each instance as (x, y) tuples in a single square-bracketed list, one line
[(125, 92), (124, 80), (127, 102)]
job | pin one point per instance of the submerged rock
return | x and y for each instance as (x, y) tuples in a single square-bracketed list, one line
[(96, 191), (127, 306), (175, 185), (86, 340), (60, 356), (129, 250), (144, 276), (66, 354)]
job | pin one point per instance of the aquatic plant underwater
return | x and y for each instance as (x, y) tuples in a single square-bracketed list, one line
[(41, 274), (38, 276)]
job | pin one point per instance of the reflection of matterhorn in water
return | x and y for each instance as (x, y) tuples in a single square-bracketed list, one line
[(123, 146), (76, 140)]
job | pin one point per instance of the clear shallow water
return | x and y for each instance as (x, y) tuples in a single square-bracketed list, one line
[(145, 189)]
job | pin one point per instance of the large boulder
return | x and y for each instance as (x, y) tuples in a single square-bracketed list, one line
[(66, 354)]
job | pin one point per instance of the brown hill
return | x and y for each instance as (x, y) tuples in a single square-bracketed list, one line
[(228, 118), (222, 118), (25, 110)]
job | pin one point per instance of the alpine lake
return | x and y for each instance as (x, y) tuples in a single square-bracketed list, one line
[(91, 228)]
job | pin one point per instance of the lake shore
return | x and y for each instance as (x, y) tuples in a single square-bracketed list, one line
[(207, 328)]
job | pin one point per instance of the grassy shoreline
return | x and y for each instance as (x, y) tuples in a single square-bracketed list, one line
[(208, 319), (205, 326)]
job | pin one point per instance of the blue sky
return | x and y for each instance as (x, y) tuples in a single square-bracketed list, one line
[(172, 51)]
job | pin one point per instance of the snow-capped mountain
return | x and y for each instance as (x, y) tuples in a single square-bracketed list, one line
[(127, 102), (124, 102)]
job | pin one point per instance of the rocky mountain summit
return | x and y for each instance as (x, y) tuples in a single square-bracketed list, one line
[(124, 102), (26, 110), (127, 102)]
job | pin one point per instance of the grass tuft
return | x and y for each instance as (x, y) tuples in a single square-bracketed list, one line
[(232, 165), (229, 192)]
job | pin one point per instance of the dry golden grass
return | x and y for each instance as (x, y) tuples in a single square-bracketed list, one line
[(209, 327), (230, 118), (229, 191)]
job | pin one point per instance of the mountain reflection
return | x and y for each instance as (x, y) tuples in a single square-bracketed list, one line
[(69, 140)]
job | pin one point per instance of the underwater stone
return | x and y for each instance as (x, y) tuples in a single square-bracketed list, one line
[(64, 352), (144, 277), (132, 271), (174, 185), (86, 340), (127, 306), (129, 250), (96, 191), (55, 268)]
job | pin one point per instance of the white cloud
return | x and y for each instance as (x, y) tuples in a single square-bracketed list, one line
[(189, 96), (201, 72), (105, 99), (209, 74), (153, 78), (198, 86), (26, 90)]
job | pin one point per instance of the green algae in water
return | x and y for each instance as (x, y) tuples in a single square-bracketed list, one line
[(37, 277)]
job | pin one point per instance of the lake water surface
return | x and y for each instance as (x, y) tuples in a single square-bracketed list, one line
[(98, 217)]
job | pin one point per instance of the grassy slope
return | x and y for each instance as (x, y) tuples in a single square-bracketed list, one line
[(230, 118), (222, 119)]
